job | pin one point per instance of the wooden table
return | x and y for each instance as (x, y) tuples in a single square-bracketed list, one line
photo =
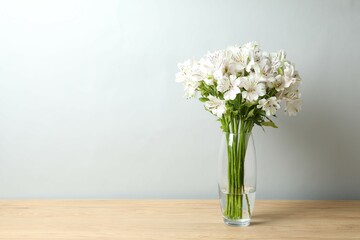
[(174, 219)]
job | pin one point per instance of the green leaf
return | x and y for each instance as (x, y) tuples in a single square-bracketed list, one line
[(269, 124), (237, 103), (203, 99), (250, 114), (249, 104)]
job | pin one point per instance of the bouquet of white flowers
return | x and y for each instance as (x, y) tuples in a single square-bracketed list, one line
[(242, 86)]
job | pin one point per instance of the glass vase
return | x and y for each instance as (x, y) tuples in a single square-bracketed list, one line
[(237, 178)]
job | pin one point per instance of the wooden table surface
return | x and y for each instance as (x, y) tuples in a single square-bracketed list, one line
[(174, 219)]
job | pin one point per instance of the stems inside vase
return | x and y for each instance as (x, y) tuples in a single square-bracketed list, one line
[(237, 137)]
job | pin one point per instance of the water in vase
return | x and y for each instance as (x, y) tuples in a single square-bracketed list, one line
[(243, 203)]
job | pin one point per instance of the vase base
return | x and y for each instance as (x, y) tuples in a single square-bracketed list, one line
[(237, 223)]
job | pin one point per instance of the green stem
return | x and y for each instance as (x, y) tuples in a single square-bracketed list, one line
[(237, 138)]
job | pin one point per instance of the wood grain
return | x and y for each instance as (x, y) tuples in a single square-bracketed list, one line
[(174, 219)]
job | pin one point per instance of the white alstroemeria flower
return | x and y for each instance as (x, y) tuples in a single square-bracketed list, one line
[(245, 70), (297, 77), (292, 93), (254, 87), (234, 88), (278, 56), (234, 68), (220, 72), (274, 82), (266, 55), (223, 84), (255, 58), (180, 77), (190, 87), (250, 47), (289, 74), (292, 99), (265, 64), (269, 105), (186, 66), (289, 69), (277, 60), (215, 105), (209, 64), (189, 69), (206, 68), (292, 107), (253, 65), (226, 67), (190, 76), (239, 59), (280, 83), (229, 86), (215, 57)]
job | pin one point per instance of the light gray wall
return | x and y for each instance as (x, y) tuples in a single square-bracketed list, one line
[(89, 107)]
